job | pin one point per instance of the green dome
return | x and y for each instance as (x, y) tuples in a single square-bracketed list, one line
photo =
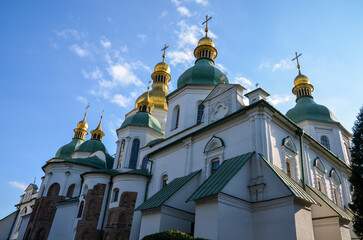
[(69, 148), (142, 119), (203, 72), (307, 109), (92, 146)]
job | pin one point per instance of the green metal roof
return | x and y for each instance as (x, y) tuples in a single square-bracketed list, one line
[(218, 180), (142, 119), (93, 161), (293, 186), (203, 72), (154, 142), (165, 193), (68, 201), (109, 161), (307, 109), (330, 203), (92, 146), (69, 148)]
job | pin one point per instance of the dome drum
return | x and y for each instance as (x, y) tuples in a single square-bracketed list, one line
[(205, 51)]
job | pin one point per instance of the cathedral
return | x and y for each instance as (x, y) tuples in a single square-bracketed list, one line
[(207, 159)]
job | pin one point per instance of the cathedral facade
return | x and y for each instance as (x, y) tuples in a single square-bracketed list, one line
[(201, 161)]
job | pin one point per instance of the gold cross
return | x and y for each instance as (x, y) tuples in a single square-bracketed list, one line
[(87, 109), (164, 49), (297, 60), (206, 24)]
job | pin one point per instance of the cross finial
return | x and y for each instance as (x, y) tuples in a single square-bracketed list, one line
[(297, 61), (148, 87), (35, 179), (164, 49), (102, 113), (206, 24)]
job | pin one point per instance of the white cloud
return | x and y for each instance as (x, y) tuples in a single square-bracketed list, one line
[(141, 36), (183, 11), (184, 57), (243, 81), (177, 2), (202, 2), (123, 75), (282, 65), (68, 34), (19, 185), (163, 14), (105, 42), (82, 100), (222, 68), (140, 65), (124, 49), (82, 52), (277, 99), (264, 65), (109, 19), (188, 36), (95, 74), (114, 125), (121, 100)]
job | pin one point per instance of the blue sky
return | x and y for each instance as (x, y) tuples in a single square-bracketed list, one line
[(57, 56)]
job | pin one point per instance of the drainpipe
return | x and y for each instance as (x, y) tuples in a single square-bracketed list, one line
[(148, 181), (300, 133), (105, 210)]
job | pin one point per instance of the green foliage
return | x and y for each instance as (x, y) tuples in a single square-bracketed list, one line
[(356, 178), (171, 235)]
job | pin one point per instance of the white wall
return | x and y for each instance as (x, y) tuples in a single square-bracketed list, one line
[(62, 226)]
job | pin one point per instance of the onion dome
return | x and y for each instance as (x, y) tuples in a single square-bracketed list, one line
[(161, 77), (306, 108), (97, 134), (92, 146), (145, 105), (81, 131), (204, 71), (142, 119), (79, 135)]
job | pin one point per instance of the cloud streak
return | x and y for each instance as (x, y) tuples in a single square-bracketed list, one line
[(18, 185)]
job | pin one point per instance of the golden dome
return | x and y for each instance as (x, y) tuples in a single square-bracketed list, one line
[(157, 97), (162, 66), (206, 41), (83, 124), (301, 79)]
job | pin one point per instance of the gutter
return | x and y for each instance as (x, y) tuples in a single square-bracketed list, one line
[(300, 133), (148, 181)]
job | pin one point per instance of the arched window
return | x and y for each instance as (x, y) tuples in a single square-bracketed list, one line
[(134, 153), (53, 190), (115, 195), (175, 122), (70, 191), (122, 148), (144, 163), (288, 168), (80, 209), (214, 165), (320, 185), (200, 113), (336, 196), (164, 180), (325, 141)]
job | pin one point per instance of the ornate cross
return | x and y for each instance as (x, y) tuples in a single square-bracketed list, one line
[(164, 49), (87, 109), (206, 24), (297, 60)]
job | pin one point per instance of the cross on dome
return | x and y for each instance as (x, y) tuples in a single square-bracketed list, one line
[(164, 49), (206, 24), (297, 60)]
